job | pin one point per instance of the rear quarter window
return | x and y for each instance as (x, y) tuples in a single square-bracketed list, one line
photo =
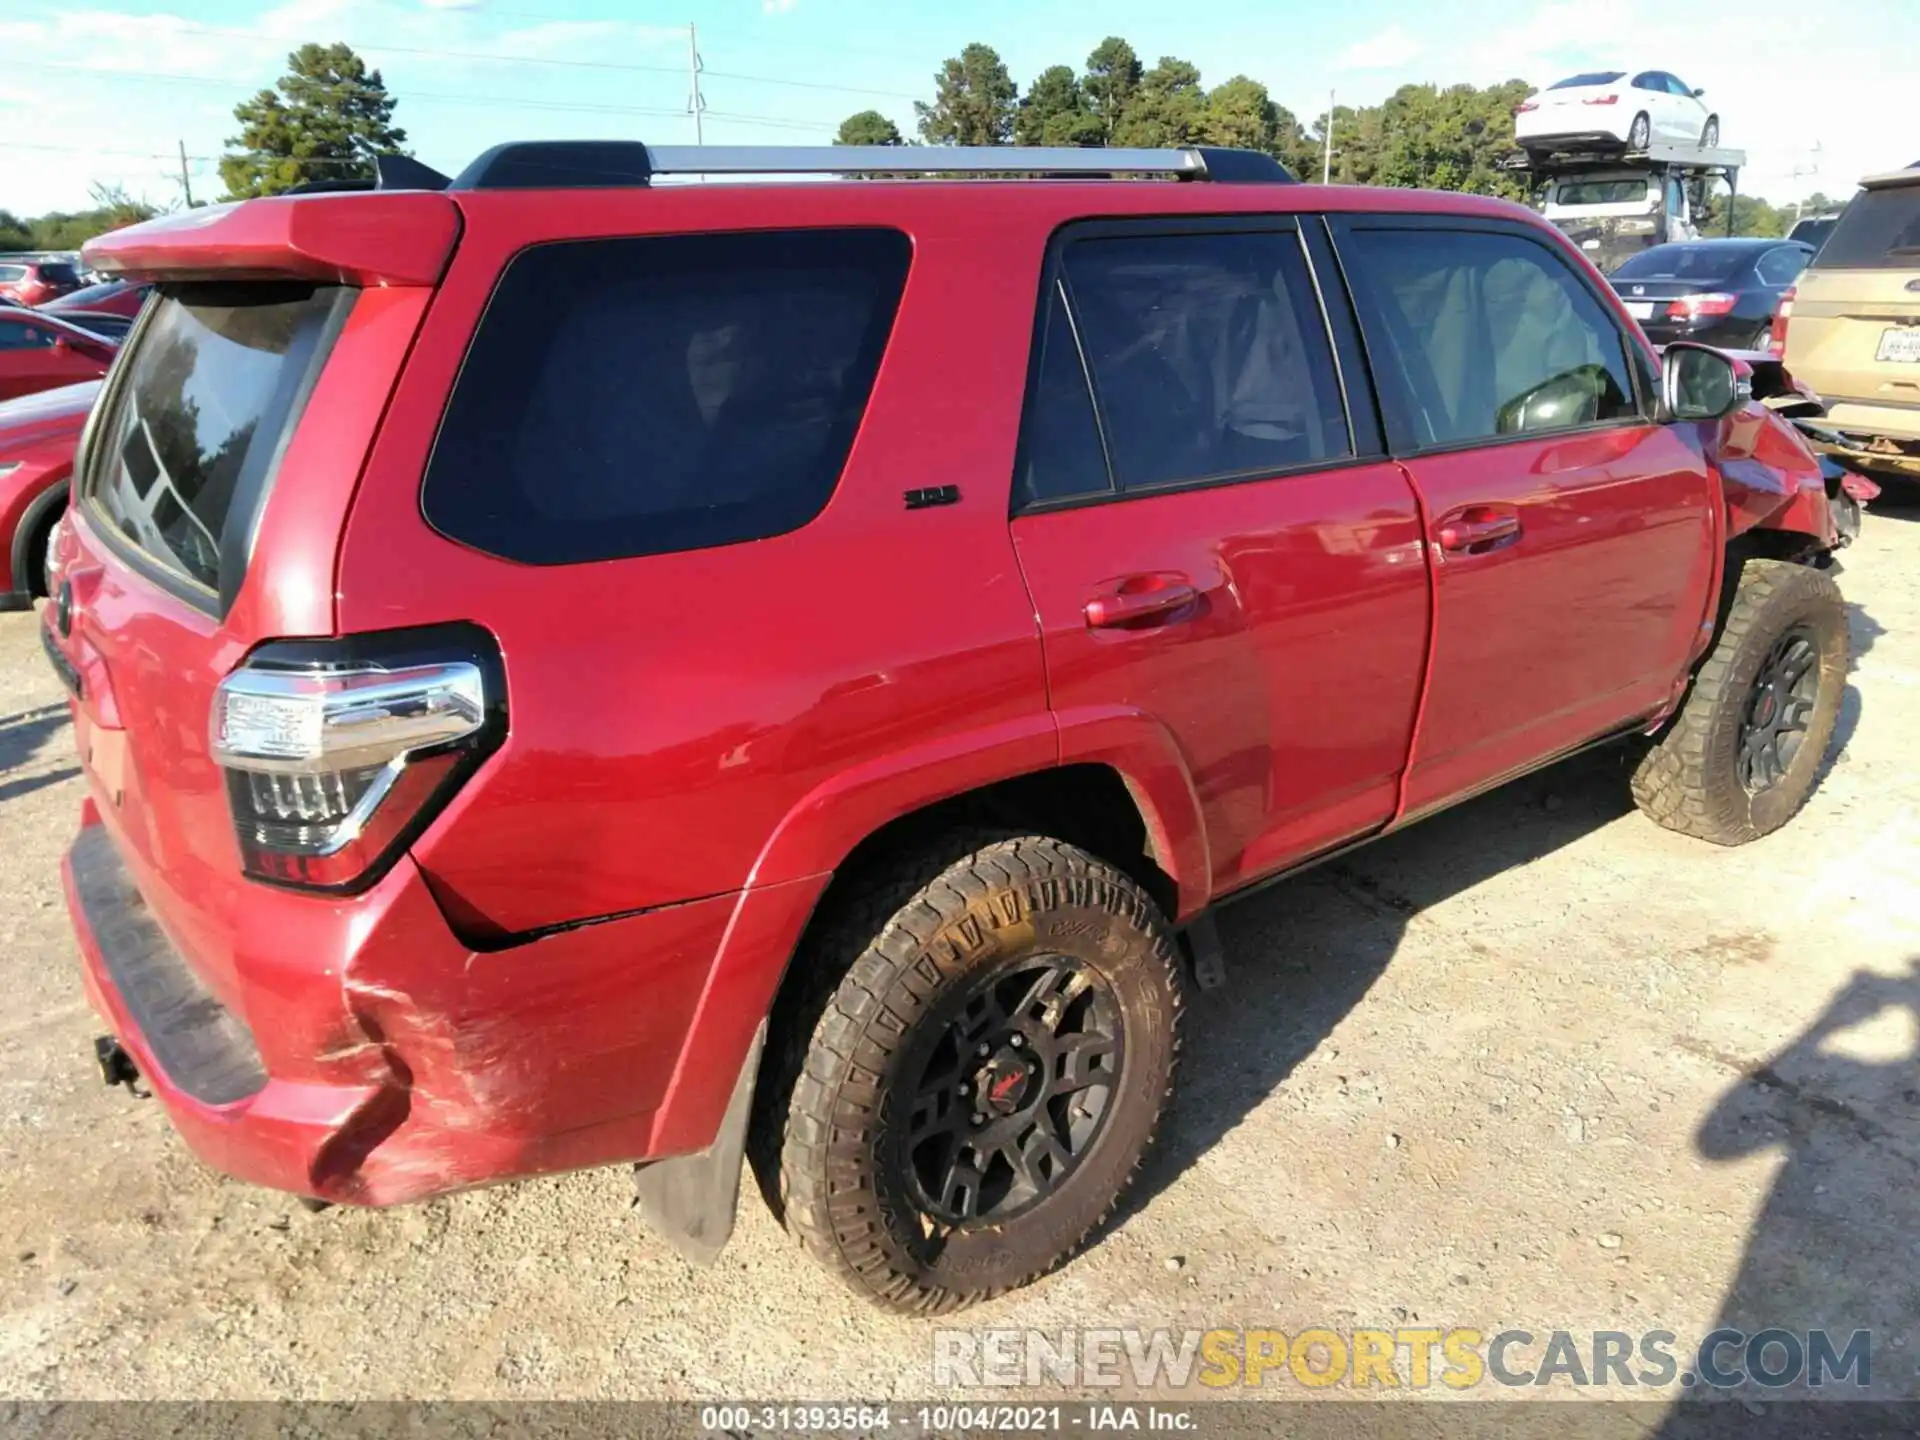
[(644, 395), (1879, 230)]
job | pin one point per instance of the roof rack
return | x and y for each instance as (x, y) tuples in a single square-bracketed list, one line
[(593, 164)]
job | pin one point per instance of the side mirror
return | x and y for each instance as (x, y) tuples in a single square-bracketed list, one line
[(1699, 383), (1698, 93)]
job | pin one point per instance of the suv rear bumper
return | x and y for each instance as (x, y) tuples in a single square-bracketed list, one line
[(371, 1058), (1875, 436)]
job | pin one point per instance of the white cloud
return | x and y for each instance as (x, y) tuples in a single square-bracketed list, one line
[(777, 7), (451, 4), (1389, 50)]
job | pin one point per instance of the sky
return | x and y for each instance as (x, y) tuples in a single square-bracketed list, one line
[(108, 93)]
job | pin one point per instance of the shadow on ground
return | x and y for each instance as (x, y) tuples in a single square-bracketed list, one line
[(1302, 954)]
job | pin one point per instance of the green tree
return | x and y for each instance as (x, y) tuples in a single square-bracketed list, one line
[(868, 127), (1167, 107), (330, 117), (973, 101), (14, 232), (1113, 73), (1055, 111), (64, 230)]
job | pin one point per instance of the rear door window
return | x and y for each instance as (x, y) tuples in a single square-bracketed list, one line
[(1780, 266), (1483, 334), (1209, 355), (18, 335), (637, 396), (182, 455), (1879, 230)]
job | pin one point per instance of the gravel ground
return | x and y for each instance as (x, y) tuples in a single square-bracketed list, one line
[(1534, 1063)]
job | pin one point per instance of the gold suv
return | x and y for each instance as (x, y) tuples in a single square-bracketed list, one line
[(1853, 326)]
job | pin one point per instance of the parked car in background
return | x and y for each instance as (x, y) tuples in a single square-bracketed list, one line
[(39, 351), (1113, 474), (1607, 107), (1851, 328), (34, 282), (116, 297), (38, 435), (104, 323), (1813, 230), (1614, 214), (1719, 292)]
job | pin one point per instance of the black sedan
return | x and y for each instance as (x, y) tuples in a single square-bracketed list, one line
[(1720, 292)]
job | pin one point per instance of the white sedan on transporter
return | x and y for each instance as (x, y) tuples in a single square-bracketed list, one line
[(1605, 107)]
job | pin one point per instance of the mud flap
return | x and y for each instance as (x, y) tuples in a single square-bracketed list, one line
[(691, 1200)]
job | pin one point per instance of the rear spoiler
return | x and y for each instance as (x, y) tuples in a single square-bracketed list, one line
[(377, 237)]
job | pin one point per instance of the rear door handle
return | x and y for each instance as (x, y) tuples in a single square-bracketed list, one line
[(1141, 598), (1476, 529)]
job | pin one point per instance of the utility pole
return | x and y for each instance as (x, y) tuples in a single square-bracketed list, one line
[(696, 102), (186, 181), (1326, 168)]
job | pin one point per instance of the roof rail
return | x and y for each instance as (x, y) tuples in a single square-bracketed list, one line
[(589, 164)]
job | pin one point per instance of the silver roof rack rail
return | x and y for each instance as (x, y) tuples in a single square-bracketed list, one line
[(592, 164)]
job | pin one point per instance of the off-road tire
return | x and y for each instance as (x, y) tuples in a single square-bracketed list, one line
[(937, 923), (1689, 780)]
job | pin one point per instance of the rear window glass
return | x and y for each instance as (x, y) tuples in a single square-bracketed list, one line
[(1879, 230), (10, 273), (59, 274), (180, 461), (1603, 192), (638, 396), (1711, 263), (1592, 77), (1209, 355)]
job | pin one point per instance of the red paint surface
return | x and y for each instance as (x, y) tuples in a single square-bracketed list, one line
[(37, 436)]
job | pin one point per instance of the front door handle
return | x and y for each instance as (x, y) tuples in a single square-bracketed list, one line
[(1476, 529), (1141, 598)]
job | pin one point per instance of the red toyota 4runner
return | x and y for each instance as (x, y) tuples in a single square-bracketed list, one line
[(574, 671)]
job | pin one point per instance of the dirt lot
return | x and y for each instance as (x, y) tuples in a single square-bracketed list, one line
[(1535, 1063)]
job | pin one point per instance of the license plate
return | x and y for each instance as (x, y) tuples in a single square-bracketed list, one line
[(1640, 309), (1900, 342)]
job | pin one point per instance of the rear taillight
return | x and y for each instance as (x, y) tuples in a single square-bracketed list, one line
[(1526, 105), (337, 753), (1777, 335), (1692, 307), (1602, 100)]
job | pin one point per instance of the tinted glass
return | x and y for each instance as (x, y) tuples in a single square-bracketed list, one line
[(59, 274), (1781, 266), (1487, 335), (1592, 77), (15, 335), (1209, 354), (1879, 230), (99, 322), (1677, 86), (1601, 192), (208, 395), (1060, 450), (637, 396), (1707, 263), (1648, 80)]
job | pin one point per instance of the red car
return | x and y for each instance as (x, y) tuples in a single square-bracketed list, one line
[(33, 282), (567, 669), (38, 435), (112, 297), (40, 351)]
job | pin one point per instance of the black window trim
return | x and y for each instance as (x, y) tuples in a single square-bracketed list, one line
[(252, 487), (1364, 440), (1401, 433)]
